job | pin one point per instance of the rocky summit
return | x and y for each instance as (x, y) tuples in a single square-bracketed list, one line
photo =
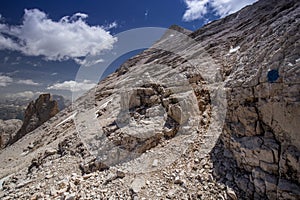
[(209, 114), (36, 113)]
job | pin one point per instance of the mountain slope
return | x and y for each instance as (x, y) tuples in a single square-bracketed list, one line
[(154, 129)]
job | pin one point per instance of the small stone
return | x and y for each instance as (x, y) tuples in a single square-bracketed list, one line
[(221, 197), (171, 193), (155, 163), (48, 176), (74, 174), (70, 196), (24, 183), (120, 174), (210, 178), (30, 146), (72, 186), (53, 191), (231, 193), (229, 177), (50, 152), (178, 180), (87, 176), (135, 198), (137, 184), (63, 184)]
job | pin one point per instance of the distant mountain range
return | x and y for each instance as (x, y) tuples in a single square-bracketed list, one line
[(13, 108)]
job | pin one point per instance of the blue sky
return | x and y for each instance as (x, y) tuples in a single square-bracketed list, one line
[(44, 43)]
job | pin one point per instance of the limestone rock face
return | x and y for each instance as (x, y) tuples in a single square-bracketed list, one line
[(262, 78), (8, 129), (36, 113)]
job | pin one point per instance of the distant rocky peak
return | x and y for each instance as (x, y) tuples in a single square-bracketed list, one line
[(180, 29), (36, 113)]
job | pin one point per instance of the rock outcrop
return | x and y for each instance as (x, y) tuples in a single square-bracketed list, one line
[(8, 130), (36, 113), (210, 114), (262, 75)]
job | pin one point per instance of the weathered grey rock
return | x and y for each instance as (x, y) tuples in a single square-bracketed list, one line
[(261, 125), (36, 113), (137, 184)]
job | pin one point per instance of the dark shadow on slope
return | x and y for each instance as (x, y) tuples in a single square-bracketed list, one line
[(226, 171)]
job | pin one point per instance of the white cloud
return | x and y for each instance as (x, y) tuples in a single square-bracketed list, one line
[(27, 82), (70, 37), (5, 80), (146, 14), (110, 26), (196, 9), (25, 94), (7, 43), (79, 15), (87, 63), (226, 7), (72, 86)]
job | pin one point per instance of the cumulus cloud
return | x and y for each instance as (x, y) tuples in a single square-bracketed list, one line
[(7, 43), (68, 38), (196, 9), (5, 80), (72, 86), (27, 82)]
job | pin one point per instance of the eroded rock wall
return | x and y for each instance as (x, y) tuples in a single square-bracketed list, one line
[(263, 115)]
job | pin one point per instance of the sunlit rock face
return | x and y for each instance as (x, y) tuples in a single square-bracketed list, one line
[(262, 79)]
